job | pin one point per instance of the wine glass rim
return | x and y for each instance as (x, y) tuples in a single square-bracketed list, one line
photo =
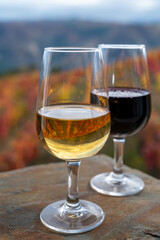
[(122, 46), (71, 49)]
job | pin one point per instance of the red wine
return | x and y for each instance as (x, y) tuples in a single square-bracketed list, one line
[(130, 109)]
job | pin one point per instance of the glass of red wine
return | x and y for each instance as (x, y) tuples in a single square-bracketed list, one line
[(130, 106)]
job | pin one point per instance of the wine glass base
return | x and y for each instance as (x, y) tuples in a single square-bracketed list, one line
[(56, 217), (108, 184)]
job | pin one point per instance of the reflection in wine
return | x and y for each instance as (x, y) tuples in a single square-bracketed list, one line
[(72, 131)]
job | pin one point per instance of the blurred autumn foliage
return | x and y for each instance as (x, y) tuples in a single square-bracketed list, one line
[(18, 141), (19, 144), (150, 136)]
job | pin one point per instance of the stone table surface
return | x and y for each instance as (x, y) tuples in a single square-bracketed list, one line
[(25, 192)]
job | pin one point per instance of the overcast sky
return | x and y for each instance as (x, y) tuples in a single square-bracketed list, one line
[(124, 11)]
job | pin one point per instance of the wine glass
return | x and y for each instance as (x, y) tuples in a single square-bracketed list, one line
[(130, 106), (72, 128)]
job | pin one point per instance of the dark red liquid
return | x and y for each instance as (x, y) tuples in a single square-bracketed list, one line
[(130, 110)]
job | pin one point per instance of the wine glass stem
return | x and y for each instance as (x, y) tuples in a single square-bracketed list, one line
[(118, 155), (72, 194)]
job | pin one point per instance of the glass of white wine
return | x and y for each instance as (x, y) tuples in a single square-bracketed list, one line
[(72, 127)]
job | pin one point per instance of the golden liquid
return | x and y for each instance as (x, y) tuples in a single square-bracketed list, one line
[(73, 132)]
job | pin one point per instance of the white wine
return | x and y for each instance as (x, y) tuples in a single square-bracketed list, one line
[(73, 131)]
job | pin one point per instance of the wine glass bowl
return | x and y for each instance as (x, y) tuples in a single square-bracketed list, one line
[(130, 105), (72, 128)]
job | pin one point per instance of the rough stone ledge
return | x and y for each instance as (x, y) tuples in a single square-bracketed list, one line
[(24, 193)]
